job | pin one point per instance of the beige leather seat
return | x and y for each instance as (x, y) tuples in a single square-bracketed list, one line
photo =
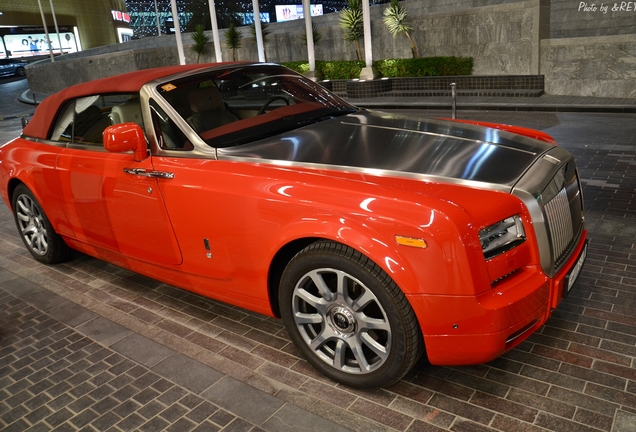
[(128, 112), (209, 109)]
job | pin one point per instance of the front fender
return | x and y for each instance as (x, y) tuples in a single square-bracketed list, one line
[(440, 267)]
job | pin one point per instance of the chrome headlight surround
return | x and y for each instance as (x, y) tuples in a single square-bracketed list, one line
[(502, 236)]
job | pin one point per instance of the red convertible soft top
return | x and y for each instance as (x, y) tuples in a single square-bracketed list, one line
[(130, 82)]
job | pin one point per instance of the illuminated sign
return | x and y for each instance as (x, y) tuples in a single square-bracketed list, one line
[(120, 16), (294, 12), (32, 41)]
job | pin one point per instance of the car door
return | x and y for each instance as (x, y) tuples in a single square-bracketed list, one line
[(4, 67), (106, 203)]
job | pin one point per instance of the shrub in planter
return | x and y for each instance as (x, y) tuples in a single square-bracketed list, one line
[(426, 66), (394, 68), (340, 69), (331, 69)]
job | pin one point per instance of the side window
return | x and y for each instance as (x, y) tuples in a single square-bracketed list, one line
[(124, 109), (170, 137), (89, 121), (82, 121), (63, 130)]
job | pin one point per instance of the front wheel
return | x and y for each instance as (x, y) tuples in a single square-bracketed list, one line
[(348, 317), (35, 229)]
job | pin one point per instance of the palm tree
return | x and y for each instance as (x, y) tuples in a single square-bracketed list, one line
[(233, 40), (351, 23), (395, 19), (200, 40), (264, 33)]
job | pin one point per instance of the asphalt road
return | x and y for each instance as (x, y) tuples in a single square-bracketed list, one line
[(11, 108)]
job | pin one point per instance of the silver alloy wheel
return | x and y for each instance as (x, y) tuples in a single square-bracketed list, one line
[(341, 321), (31, 223)]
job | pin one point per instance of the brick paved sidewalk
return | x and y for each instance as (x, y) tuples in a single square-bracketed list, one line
[(81, 371), (577, 373)]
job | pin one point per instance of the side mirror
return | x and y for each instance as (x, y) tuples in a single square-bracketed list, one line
[(125, 137)]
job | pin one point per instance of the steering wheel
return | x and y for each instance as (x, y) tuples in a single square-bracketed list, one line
[(269, 101)]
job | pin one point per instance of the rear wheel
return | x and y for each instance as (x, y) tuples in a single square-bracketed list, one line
[(20, 72), (35, 229), (348, 317)]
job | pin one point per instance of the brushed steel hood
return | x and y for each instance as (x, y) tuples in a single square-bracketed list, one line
[(383, 141)]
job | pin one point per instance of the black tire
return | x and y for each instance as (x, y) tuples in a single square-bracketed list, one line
[(361, 331), (36, 231), (20, 72)]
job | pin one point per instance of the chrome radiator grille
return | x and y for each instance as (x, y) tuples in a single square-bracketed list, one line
[(564, 213)]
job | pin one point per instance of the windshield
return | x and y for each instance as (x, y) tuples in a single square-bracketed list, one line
[(245, 103)]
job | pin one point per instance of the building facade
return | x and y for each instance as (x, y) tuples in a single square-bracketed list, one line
[(580, 51), (82, 24), (154, 17)]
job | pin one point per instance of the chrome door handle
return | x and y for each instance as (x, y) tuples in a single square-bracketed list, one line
[(153, 174)]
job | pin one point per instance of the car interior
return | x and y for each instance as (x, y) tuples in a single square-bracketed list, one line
[(82, 121), (225, 108)]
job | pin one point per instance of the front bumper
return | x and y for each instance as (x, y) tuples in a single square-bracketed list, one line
[(462, 330)]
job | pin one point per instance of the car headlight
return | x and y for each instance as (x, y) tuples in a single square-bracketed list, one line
[(502, 236)]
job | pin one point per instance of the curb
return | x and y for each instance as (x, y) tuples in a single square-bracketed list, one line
[(30, 98), (492, 107)]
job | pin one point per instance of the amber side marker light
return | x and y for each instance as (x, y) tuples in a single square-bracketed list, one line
[(410, 241)]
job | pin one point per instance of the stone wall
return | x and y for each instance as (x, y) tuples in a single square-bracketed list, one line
[(503, 37), (603, 66), (46, 77), (576, 18)]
